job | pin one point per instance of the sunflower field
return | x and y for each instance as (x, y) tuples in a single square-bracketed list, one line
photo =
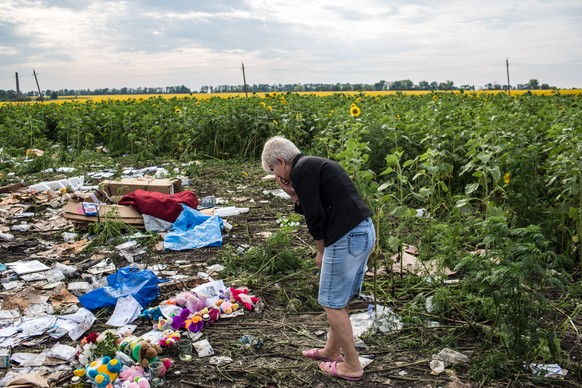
[(488, 185)]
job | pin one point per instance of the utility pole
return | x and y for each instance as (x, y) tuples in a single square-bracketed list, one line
[(508, 84), (38, 87), (17, 86), (244, 80)]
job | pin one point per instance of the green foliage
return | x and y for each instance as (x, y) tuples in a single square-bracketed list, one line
[(506, 285)]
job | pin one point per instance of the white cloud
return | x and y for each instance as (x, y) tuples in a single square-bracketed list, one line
[(95, 44)]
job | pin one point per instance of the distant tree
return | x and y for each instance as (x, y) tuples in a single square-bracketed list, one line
[(54, 95), (380, 85), (448, 85), (533, 84), (402, 85), (423, 85)]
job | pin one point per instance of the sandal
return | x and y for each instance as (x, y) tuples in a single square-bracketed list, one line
[(330, 368), (314, 355)]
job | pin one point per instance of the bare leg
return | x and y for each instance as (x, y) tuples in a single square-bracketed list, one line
[(341, 337)]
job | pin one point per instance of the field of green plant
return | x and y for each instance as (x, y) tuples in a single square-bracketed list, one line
[(489, 185)]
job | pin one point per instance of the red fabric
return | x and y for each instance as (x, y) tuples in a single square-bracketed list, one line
[(165, 206)]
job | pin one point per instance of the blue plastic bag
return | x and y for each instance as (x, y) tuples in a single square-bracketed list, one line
[(141, 284), (193, 229)]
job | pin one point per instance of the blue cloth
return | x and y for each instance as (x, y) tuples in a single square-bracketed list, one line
[(141, 284), (193, 229)]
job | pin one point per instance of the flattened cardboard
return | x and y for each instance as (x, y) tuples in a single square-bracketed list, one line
[(124, 186), (129, 215)]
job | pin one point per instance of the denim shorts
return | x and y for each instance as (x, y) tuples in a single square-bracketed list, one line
[(344, 265)]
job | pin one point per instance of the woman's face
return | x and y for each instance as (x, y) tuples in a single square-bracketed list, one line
[(282, 170)]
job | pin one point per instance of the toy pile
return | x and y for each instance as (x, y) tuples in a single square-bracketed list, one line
[(114, 359)]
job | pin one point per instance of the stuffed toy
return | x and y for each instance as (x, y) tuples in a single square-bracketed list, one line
[(131, 373), (163, 324), (242, 296), (139, 382), (152, 314), (226, 306), (179, 321), (169, 338), (194, 324), (103, 372), (141, 351), (180, 299), (213, 315), (195, 303), (208, 315)]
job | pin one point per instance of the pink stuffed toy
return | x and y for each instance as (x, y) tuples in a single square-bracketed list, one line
[(139, 382), (130, 374), (182, 297), (226, 306), (195, 303), (242, 296)]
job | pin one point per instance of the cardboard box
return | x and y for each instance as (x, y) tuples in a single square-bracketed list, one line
[(124, 186), (74, 211)]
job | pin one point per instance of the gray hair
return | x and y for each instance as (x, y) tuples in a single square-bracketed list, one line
[(278, 147)]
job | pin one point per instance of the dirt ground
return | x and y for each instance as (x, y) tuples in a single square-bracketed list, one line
[(284, 333)]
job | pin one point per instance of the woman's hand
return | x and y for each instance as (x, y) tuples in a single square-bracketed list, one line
[(288, 188), (319, 259)]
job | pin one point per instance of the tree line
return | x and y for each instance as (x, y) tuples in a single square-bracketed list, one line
[(6, 95)]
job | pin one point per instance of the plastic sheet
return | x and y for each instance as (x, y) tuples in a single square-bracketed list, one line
[(141, 284), (193, 229)]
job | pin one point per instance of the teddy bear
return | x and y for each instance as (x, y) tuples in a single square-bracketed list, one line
[(103, 372), (142, 351), (226, 306)]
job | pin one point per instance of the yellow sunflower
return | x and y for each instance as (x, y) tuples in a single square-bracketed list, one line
[(177, 110), (507, 178), (354, 110)]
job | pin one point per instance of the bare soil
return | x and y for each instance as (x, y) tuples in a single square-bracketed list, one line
[(283, 331)]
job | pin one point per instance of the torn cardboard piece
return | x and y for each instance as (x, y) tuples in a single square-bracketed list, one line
[(74, 211), (128, 185)]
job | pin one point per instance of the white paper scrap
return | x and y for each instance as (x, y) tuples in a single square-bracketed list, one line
[(126, 311)]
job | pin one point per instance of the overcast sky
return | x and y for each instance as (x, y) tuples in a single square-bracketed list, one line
[(84, 44)]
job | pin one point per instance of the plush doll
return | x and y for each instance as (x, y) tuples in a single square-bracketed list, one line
[(163, 324), (131, 373), (179, 321), (152, 314), (195, 324), (169, 338), (213, 315), (139, 382), (140, 350), (103, 372), (182, 297), (195, 303), (242, 296), (226, 306)]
